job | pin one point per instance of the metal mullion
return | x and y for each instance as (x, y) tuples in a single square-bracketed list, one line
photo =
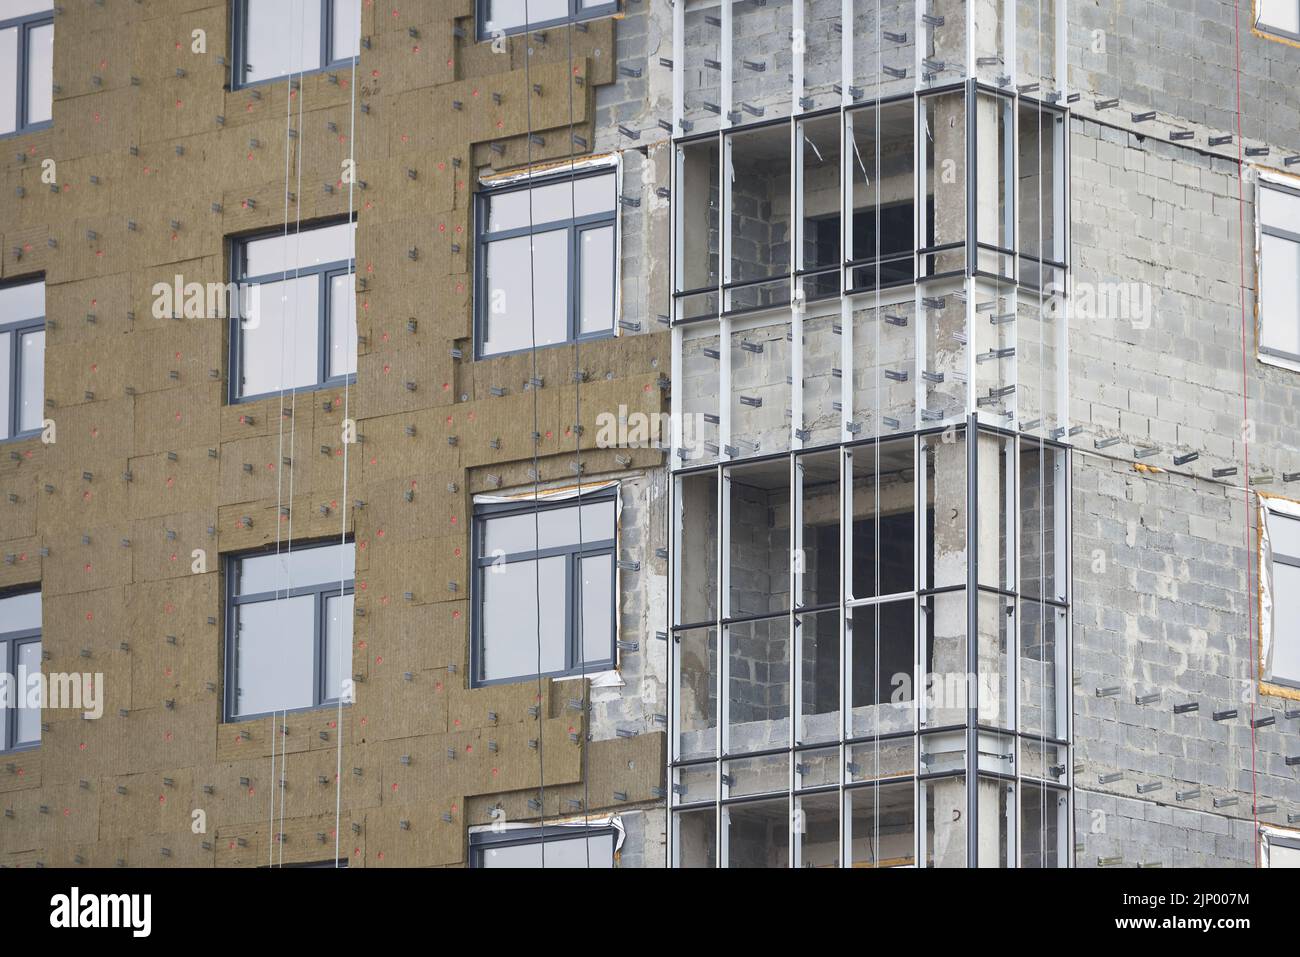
[(793, 845), (20, 86), (326, 33), (9, 710), (572, 643), (721, 708), (972, 636), (322, 322), (13, 385), (318, 649)]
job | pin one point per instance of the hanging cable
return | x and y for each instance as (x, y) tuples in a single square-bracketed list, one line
[(577, 444), (1245, 418), (345, 629), (537, 564)]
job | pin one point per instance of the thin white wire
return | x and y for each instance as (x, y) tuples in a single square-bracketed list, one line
[(343, 503)]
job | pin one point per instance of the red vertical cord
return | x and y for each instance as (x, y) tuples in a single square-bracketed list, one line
[(1245, 431)]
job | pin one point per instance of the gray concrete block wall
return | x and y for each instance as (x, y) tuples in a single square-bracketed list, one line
[(1178, 56), (1161, 608)]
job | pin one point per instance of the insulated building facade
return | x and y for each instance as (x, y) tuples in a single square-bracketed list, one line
[(664, 433), (309, 314)]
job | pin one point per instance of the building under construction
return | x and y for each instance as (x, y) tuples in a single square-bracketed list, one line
[(644, 433)]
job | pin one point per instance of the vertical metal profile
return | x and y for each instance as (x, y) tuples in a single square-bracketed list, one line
[(972, 638)]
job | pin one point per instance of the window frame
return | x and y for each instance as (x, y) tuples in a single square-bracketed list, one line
[(1275, 232), (239, 47), (325, 273), (322, 592), (1288, 682), (573, 554), (1270, 30), (10, 641), (1271, 837), (13, 384), (574, 227), (577, 14), (481, 841), (25, 25)]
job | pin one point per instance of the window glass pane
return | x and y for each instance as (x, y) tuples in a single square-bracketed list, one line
[(8, 80), (596, 596), (882, 824), (759, 539), (596, 302), (554, 202), (40, 73), (339, 610), (290, 569), (1284, 534), (548, 528), (515, 318), (1043, 826), (1286, 624), (6, 387), (28, 728), (697, 692), (697, 548), (881, 683), (280, 338), (20, 8), (758, 201), (275, 649), (343, 326), (595, 851), (758, 686), (1279, 14), (31, 380), (881, 162), (511, 14), (942, 136), (311, 247), (758, 834), (280, 37), (1279, 295), (26, 301), (20, 613), (510, 629), (346, 27), (698, 212), (1040, 188), (1279, 208), (695, 838), (1283, 855)]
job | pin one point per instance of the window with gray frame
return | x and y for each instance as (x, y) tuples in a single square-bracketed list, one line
[(26, 65), (544, 588), (1284, 541), (1279, 17), (544, 847), (289, 629), (296, 325), (504, 17), (1283, 850), (547, 262), (276, 38), (22, 359), (20, 669), (1279, 271)]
